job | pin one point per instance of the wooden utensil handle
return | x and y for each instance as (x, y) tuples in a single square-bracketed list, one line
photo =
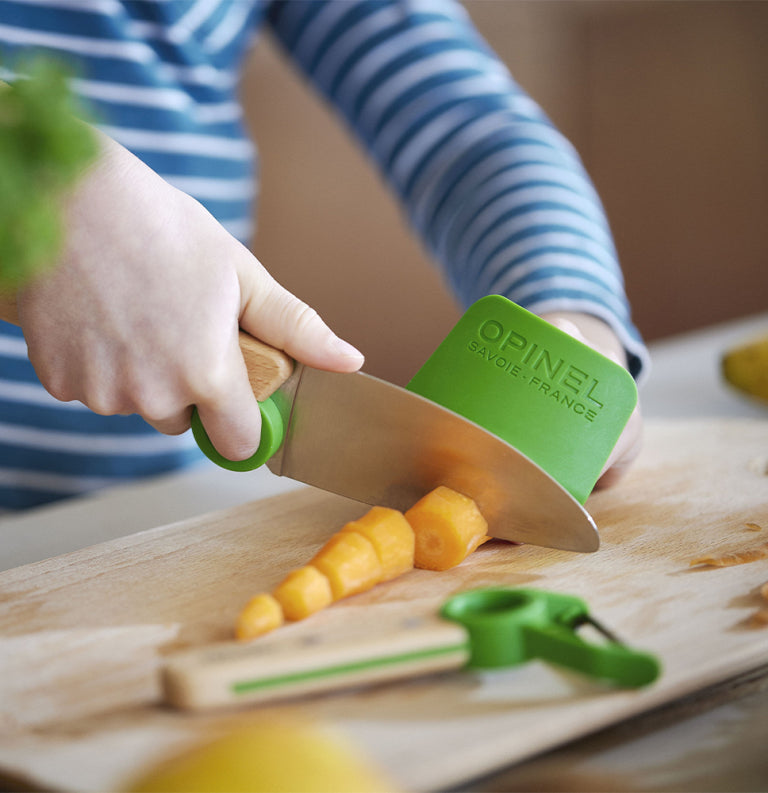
[(314, 659), (268, 368)]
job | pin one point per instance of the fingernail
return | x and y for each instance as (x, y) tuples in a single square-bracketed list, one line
[(348, 351)]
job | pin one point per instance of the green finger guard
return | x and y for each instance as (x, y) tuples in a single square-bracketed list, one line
[(555, 399), (272, 436)]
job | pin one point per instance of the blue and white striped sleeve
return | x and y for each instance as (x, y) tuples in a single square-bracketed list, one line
[(498, 195), (161, 79)]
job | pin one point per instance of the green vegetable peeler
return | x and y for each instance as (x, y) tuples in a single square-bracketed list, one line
[(479, 629), (508, 627)]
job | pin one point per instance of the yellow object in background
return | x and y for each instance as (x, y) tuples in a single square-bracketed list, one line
[(746, 368), (268, 757)]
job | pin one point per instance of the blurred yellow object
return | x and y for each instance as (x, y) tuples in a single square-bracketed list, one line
[(746, 368), (267, 757)]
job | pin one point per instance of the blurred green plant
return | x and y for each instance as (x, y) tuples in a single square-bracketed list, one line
[(44, 146)]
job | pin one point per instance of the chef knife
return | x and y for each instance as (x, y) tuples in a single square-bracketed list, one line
[(374, 442)]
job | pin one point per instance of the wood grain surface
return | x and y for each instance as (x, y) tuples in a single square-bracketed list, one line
[(83, 634)]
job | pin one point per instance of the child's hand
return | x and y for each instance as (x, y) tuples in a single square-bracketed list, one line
[(141, 314), (599, 336)]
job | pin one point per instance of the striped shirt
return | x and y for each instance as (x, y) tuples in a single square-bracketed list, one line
[(498, 196)]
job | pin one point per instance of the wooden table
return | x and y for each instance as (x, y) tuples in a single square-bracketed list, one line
[(713, 740)]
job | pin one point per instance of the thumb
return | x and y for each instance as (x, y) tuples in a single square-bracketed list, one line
[(629, 443), (276, 316)]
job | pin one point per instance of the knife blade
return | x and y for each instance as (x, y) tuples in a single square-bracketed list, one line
[(374, 442)]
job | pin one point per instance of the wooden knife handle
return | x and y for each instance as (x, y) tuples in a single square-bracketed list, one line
[(268, 367)]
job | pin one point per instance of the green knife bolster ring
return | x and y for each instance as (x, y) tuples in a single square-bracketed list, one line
[(272, 436)]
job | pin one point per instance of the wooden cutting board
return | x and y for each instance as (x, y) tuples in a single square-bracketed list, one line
[(83, 633)]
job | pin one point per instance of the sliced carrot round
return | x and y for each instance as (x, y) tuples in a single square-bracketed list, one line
[(303, 592), (447, 526), (261, 614), (391, 536), (350, 563)]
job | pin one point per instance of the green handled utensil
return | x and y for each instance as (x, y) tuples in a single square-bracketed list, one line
[(507, 627), (479, 629)]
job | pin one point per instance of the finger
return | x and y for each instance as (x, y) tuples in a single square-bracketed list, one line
[(613, 475), (274, 315), (572, 329), (229, 411), (173, 425), (624, 453), (591, 331), (628, 445), (567, 326)]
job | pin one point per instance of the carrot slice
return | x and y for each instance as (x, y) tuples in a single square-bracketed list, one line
[(733, 558), (350, 563), (447, 526), (303, 592), (261, 614), (391, 536), (436, 533)]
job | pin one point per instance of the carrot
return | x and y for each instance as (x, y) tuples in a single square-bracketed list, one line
[(391, 536), (436, 533), (350, 562), (447, 527), (303, 592), (261, 614)]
